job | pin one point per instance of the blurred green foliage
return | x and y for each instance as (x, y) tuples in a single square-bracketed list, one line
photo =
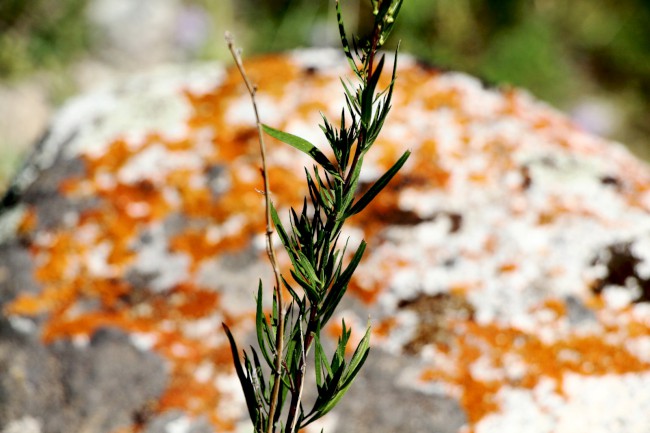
[(555, 48), (37, 34), (562, 51)]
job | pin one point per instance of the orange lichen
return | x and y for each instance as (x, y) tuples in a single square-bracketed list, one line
[(196, 244), (286, 186), (120, 213), (427, 165), (508, 267), (561, 207), (48, 299), (480, 400), (586, 355), (196, 302), (59, 326), (365, 291), (28, 222), (383, 328), (448, 98), (555, 305), (78, 297)]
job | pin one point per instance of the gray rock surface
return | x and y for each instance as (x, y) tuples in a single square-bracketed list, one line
[(506, 276), (69, 386)]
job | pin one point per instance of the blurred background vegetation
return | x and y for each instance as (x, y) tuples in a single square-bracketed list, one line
[(589, 58)]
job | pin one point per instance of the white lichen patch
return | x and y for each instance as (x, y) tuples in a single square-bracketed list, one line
[(241, 113), (618, 298), (10, 221), (182, 424), (23, 325), (641, 250), (639, 347), (500, 226), (326, 60), (155, 162), (151, 101), (143, 341), (520, 411), (27, 424), (154, 259), (97, 261), (233, 403), (604, 404)]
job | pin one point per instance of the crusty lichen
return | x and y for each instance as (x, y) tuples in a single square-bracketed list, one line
[(497, 216)]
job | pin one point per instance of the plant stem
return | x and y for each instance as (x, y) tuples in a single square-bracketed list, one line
[(362, 136), (311, 243), (296, 397), (270, 251), (330, 224)]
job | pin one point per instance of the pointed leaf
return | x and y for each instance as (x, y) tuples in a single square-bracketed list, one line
[(339, 356), (246, 384), (344, 39), (340, 285), (320, 360), (359, 356), (307, 268), (259, 373), (304, 146), (311, 293), (284, 237), (369, 92), (378, 186), (262, 327)]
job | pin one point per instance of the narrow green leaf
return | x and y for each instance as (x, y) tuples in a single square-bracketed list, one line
[(307, 267), (289, 359), (328, 396), (360, 353), (369, 92), (351, 100), (284, 237), (246, 384), (327, 197), (378, 186), (294, 295), (340, 285), (281, 399), (338, 361), (344, 39), (262, 327), (310, 291), (259, 373), (304, 146), (351, 374), (383, 107), (349, 193), (320, 360)]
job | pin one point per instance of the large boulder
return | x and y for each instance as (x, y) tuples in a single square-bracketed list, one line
[(507, 277)]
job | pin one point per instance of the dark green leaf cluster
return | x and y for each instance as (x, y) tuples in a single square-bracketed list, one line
[(321, 269)]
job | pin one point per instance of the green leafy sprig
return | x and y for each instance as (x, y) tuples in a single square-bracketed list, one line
[(321, 270)]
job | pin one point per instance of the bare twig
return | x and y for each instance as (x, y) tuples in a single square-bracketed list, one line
[(279, 341)]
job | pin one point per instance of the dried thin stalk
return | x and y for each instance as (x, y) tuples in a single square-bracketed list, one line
[(270, 251)]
